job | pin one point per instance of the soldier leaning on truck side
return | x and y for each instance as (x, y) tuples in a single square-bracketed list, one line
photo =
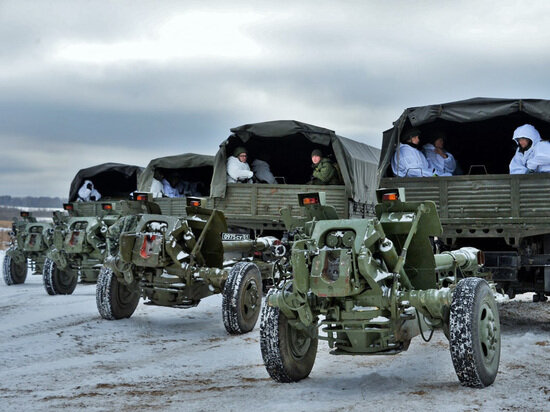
[(238, 170), (324, 172), (527, 138), (262, 172), (539, 162), (440, 159), (408, 160), (172, 186)]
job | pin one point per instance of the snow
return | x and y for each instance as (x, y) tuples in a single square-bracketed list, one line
[(381, 275), (157, 226), (364, 308), (57, 353), (401, 217), (195, 217), (182, 255), (380, 319)]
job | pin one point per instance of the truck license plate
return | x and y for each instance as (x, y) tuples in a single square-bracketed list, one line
[(235, 236)]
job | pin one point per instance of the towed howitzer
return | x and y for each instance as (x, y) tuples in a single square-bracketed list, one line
[(368, 286), (29, 242), (178, 261), (78, 243)]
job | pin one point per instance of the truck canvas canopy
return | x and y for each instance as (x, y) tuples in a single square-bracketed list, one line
[(112, 180), (478, 131), (286, 145), (188, 167)]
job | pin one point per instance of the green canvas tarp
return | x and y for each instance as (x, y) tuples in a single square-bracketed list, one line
[(188, 166), (111, 180), (478, 131), (287, 145)]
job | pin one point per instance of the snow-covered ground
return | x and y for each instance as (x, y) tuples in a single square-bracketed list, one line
[(56, 352)]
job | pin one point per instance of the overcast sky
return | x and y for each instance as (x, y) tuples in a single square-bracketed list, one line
[(88, 82)]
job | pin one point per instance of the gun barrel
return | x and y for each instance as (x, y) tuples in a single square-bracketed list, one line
[(467, 259), (258, 245)]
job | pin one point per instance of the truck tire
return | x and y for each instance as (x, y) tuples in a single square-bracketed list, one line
[(14, 273), (242, 298), (474, 333), (288, 353), (114, 299), (57, 281)]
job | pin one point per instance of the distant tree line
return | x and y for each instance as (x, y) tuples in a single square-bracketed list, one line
[(30, 201)]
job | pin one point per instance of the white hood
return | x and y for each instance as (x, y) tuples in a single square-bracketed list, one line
[(528, 132)]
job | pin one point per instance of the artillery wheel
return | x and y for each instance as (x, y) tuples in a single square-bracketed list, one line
[(57, 281), (242, 298), (115, 299), (475, 333), (288, 353), (14, 273)]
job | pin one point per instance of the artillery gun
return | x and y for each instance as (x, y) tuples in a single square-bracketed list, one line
[(178, 261), (369, 286), (30, 240), (78, 241)]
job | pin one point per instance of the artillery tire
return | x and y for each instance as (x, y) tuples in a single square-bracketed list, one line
[(114, 299), (242, 298), (474, 333), (288, 354), (14, 273), (57, 281)]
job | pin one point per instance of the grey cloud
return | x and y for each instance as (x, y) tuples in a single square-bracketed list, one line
[(348, 66)]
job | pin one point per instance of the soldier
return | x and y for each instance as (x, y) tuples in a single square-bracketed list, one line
[(324, 172), (262, 172), (172, 187), (408, 160), (238, 170), (87, 192), (527, 138), (440, 159)]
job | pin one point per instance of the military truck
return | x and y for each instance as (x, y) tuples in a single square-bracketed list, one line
[(30, 239), (506, 216), (177, 261), (368, 286), (286, 145), (78, 240)]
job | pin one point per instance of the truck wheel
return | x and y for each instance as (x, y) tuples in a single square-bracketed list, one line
[(57, 281), (14, 273), (114, 299), (242, 298), (475, 333), (288, 353)]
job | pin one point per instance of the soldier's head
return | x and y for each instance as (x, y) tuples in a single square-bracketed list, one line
[(523, 142), (173, 179), (241, 153), (411, 136), (438, 140), (526, 136), (316, 156)]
